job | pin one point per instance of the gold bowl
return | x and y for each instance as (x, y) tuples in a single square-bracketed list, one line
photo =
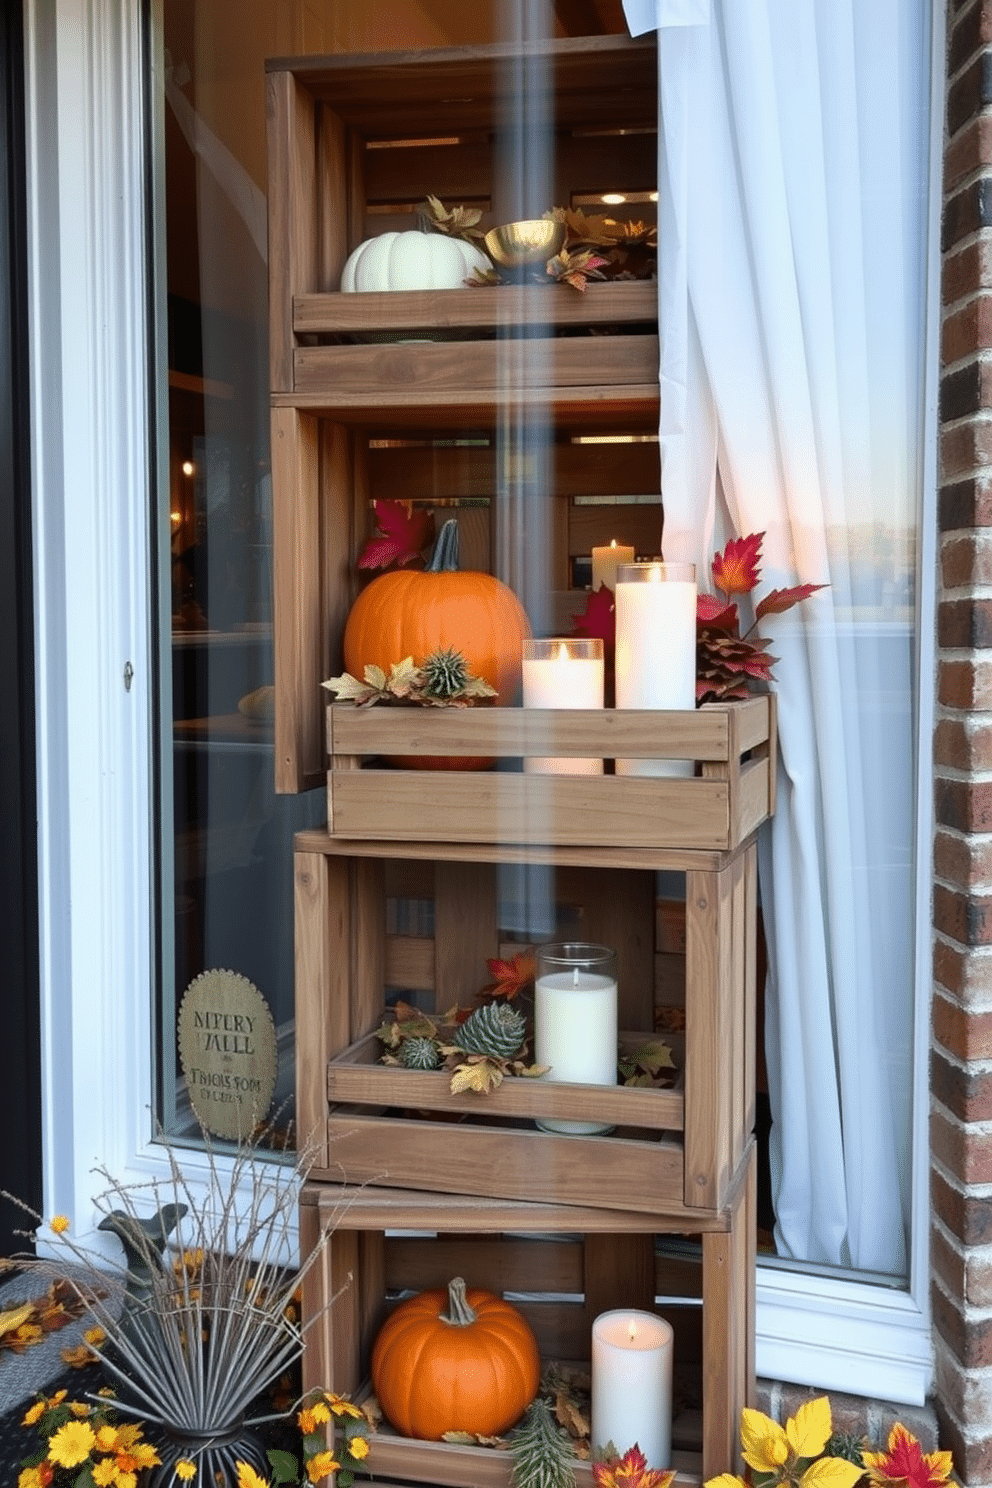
[(518, 245)]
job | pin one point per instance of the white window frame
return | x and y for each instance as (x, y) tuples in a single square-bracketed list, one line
[(90, 405)]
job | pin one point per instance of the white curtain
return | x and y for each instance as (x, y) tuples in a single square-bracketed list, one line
[(792, 211)]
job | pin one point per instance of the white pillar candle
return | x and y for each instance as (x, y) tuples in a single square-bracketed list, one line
[(655, 663), (563, 674), (575, 1021), (632, 1384), (605, 562)]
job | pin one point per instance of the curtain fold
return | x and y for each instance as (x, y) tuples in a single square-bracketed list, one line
[(792, 212)]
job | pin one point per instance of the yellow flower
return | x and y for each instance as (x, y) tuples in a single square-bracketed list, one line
[(57, 1398), (32, 1477), (106, 1438), (185, 1469), (60, 1224), (248, 1477), (79, 1410), (320, 1465), (71, 1444), (358, 1447), (125, 1479), (342, 1407), (143, 1454), (95, 1336), (35, 1413), (105, 1473), (126, 1436)]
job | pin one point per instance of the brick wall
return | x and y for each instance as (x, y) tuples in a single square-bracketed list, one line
[(961, 1052)]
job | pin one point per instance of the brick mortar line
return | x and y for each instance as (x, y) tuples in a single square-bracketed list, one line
[(967, 777), (971, 1128), (982, 172), (954, 307), (982, 1066), (968, 1190), (986, 1314)]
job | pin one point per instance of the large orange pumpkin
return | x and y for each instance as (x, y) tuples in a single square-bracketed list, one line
[(414, 612), (460, 1360)]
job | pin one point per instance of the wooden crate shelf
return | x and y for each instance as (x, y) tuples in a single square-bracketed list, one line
[(563, 1266), (734, 744), (674, 1151), (348, 159)]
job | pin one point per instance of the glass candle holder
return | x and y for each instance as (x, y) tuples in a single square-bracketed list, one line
[(575, 1020), (655, 664), (564, 672)]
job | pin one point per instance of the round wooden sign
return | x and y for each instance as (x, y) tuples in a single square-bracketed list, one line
[(227, 1049)]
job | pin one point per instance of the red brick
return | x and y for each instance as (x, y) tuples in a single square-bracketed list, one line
[(966, 1394), (964, 743), (966, 270), (965, 447), (969, 1339), (967, 974), (966, 331), (965, 1034), (972, 1458), (962, 1149), (967, 36), (963, 862), (969, 93), (970, 150), (966, 560), (963, 805), (965, 684), (978, 1277), (965, 623), (948, 1262), (921, 1420), (966, 503), (966, 1216), (965, 1089)]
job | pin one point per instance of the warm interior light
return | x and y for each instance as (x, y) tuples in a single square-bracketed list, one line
[(188, 467), (613, 199), (562, 651), (633, 1330), (655, 574)]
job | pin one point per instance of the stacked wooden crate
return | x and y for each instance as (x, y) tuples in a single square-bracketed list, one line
[(422, 395)]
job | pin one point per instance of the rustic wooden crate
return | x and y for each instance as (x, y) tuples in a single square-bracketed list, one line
[(562, 1267), (674, 1151), (354, 143), (733, 795)]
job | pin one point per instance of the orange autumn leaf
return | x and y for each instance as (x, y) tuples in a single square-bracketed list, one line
[(630, 1471), (510, 978), (777, 601), (735, 570), (905, 1462)]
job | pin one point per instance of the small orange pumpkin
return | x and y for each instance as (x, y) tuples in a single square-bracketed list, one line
[(474, 1367), (411, 612)]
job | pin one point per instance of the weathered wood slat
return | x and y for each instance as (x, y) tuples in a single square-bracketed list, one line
[(485, 308)]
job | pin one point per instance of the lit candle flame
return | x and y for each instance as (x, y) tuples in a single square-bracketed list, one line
[(655, 574), (562, 651), (633, 1330)]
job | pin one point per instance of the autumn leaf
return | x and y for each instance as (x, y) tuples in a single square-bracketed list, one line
[(12, 1319), (764, 1444), (631, 1471), (510, 978), (779, 600), (831, 1472), (575, 268), (715, 614), (599, 618), (402, 532), (735, 570), (808, 1431), (480, 1074), (905, 1461), (569, 1416)]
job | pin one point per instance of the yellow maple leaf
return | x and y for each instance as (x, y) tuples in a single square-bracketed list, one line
[(808, 1431), (481, 1075), (725, 1480), (831, 1472)]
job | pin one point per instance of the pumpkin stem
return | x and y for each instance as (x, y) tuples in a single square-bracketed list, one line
[(460, 1313), (444, 558)]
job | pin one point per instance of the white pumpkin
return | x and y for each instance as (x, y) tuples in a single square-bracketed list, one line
[(411, 260)]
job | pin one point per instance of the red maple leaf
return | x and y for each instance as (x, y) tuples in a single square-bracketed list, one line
[(510, 978), (777, 601), (630, 1471), (735, 570), (712, 612), (599, 618), (401, 534), (905, 1462)]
